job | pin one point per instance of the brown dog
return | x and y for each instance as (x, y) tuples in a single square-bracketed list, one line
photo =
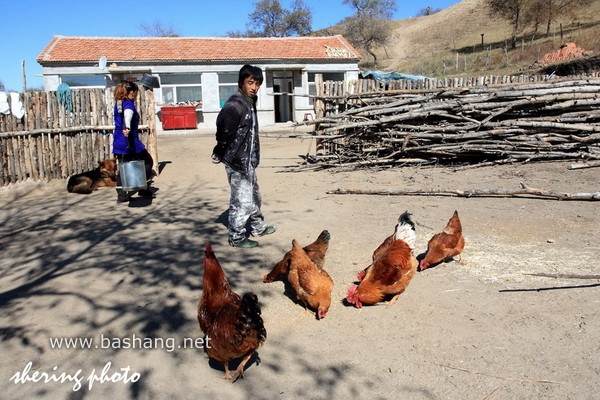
[(87, 182)]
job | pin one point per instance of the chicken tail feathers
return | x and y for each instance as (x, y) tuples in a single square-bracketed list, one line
[(250, 320), (405, 230), (324, 237), (406, 220), (453, 225)]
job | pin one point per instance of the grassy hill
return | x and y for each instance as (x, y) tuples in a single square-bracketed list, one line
[(449, 43)]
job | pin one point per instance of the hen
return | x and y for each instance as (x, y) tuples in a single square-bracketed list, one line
[(406, 233), (315, 251), (311, 283), (447, 244), (392, 269), (232, 324)]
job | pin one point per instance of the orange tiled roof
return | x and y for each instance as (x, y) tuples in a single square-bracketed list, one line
[(147, 49)]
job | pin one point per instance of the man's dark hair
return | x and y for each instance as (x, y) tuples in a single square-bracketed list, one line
[(250, 70)]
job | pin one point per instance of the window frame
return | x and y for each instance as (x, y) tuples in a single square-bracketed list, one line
[(173, 85), (231, 86)]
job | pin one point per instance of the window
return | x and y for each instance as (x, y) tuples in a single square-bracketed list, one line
[(228, 85), (327, 76), (84, 80), (181, 88)]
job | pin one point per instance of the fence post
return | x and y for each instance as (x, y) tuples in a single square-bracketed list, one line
[(25, 102), (152, 139), (319, 105)]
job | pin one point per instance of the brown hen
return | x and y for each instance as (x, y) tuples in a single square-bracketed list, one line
[(444, 245), (312, 284), (392, 269), (232, 324), (316, 252)]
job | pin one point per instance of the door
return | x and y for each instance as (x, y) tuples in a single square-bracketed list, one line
[(283, 88)]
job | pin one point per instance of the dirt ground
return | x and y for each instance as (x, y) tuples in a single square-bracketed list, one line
[(82, 266)]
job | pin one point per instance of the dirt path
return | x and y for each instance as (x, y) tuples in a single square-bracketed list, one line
[(82, 266)]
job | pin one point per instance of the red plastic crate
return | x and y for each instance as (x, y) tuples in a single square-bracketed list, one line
[(182, 117)]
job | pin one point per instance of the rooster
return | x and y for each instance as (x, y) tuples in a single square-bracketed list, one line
[(232, 324), (445, 245), (315, 251), (391, 270), (311, 283)]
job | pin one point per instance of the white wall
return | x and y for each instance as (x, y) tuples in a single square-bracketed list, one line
[(210, 85)]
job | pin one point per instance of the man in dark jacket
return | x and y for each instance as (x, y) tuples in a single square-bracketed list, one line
[(238, 148)]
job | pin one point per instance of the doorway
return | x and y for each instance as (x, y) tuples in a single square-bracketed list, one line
[(283, 89)]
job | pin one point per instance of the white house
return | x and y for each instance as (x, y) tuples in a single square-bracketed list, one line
[(203, 72)]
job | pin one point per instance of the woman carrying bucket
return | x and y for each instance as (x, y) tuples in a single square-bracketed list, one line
[(127, 146)]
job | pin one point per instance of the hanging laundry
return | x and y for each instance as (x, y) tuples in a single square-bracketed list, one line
[(64, 97), (4, 106), (18, 109)]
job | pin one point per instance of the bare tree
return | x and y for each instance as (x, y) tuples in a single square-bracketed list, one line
[(367, 34), (157, 29), (534, 14), (270, 19), (511, 10), (299, 20), (522, 13), (238, 34), (377, 9), (428, 11), (552, 9), (369, 27)]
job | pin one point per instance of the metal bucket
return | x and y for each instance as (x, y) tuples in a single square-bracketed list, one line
[(133, 175)]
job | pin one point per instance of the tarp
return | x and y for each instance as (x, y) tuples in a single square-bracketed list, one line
[(386, 76)]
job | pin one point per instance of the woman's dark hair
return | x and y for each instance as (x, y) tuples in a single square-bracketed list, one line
[(250, 70), (123, 88), (131, 87)]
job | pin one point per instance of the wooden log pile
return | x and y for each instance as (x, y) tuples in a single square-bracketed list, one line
[(553, 120)]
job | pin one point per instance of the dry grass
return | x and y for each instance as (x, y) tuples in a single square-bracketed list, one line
[(449, 43)]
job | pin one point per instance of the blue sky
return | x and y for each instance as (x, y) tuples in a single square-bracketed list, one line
[(27, 26)]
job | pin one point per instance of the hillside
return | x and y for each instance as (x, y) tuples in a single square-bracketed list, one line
[(449, 43)]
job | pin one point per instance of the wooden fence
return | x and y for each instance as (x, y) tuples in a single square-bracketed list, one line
[(54, 140), (88, 107), (55, 155), (334, 96)]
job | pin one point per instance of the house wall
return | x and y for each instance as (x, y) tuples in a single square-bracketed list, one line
[(210, 85)]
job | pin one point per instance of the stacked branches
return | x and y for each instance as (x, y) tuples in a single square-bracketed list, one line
[(463, 127)]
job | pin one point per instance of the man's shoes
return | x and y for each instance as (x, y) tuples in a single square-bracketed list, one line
[(244, 244), (215, 158), (267, 231), (123, 197), (146, 193)]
